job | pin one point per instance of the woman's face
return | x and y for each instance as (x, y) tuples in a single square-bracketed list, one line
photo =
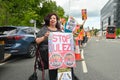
[(53, 20)]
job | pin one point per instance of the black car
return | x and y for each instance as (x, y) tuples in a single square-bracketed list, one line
[(18, 40)]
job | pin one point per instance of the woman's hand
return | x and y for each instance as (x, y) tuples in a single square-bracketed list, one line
[(41, 39), (46, 34)]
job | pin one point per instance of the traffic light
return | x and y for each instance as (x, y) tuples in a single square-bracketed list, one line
[(84, 14)]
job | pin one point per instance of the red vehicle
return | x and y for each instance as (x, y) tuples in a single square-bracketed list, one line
[(111, 32)]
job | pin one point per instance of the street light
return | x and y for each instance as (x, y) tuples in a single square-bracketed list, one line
[(34, 21), (40, 5)]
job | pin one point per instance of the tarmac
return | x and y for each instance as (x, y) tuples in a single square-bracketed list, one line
[(6, 56)]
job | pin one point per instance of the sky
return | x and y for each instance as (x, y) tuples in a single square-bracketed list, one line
[(93, 7)]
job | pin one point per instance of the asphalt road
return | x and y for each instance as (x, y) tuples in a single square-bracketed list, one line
[(102, 59), (101, 62)]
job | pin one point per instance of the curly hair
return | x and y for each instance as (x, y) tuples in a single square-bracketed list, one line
[(47, 20)]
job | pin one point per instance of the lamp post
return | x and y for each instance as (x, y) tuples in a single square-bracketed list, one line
[(34, 21), (40, 5)]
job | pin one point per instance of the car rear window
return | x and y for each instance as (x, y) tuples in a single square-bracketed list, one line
[(11, 32), (7, 30)]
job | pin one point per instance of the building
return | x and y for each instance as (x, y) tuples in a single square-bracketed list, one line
[(110, 14)]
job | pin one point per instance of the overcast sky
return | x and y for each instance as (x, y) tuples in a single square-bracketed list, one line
[(73, 8)]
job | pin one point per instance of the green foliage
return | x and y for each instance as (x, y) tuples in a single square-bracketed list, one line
[(118, 31), (20, 12), (95, 31)]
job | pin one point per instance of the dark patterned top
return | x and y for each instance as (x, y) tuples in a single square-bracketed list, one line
[(41, 33)]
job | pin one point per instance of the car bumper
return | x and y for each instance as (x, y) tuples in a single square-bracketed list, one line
[(17, 49)]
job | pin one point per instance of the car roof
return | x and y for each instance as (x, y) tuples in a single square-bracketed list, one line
[(7, 28), (111, 26)]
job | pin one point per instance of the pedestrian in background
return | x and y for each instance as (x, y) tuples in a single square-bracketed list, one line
[(79, 33), (80, 36)]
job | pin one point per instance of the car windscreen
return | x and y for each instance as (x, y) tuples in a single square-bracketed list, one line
[(111, 29)]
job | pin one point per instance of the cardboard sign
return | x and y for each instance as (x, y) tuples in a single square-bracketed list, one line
[(84, 14), (64, 74), (61, 50), (70, 25)]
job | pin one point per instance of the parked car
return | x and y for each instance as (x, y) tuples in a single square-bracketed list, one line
[(18, 40), (1, 52)]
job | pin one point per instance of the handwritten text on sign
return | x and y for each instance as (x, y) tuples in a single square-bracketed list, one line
[(61, 50)]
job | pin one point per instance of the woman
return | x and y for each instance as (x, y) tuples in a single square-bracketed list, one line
[(51, 25)]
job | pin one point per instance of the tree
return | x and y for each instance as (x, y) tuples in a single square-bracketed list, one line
[(19, 12), (49, 7), (118, 31)]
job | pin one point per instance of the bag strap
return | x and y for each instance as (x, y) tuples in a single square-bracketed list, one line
[(39, 58)]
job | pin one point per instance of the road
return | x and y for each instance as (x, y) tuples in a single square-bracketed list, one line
[(100, 63), (102, 60)]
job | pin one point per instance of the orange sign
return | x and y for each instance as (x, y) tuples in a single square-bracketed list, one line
[(84, 14)]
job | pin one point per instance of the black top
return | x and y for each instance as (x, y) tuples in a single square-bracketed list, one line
[(42, 32)]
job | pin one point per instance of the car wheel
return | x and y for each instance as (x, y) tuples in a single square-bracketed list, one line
[(31, 50)]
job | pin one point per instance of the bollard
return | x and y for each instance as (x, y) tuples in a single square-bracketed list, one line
[(77, 51)]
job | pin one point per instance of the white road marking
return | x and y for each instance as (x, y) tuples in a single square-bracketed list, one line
[(84, 67), (85, 70), (97, 40), (84, 44), (82, 56), (2, 63)]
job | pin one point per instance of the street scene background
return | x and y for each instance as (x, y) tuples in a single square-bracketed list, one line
[(100, 56)]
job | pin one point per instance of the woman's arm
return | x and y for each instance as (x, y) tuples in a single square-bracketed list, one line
[(41, 39)]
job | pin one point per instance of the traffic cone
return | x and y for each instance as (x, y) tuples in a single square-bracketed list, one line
[(77, 51)]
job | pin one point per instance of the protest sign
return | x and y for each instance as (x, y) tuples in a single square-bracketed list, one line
[(70, 25), (84, 14), (64, 74), (61, 50)]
